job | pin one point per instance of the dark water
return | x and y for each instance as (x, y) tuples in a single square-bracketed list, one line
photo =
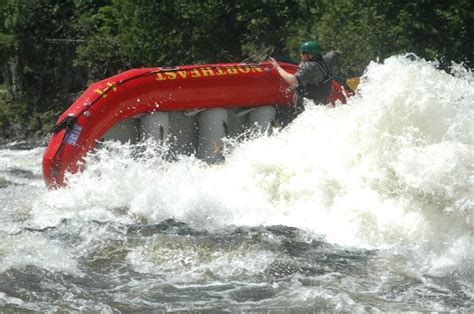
[(257, 269)]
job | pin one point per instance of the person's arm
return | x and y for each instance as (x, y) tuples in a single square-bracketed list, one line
[(289, 78)]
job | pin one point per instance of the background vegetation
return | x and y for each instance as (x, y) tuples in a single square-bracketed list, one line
[(51, 49)]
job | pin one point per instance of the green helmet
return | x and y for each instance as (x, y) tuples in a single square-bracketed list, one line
[(311, 47)]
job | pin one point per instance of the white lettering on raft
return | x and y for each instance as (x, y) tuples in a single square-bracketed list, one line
[(206, 71)]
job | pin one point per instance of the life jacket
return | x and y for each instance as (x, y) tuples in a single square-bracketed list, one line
[(318, 92)]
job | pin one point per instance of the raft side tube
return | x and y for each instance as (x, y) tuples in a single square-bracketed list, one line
[(124, 131), (262, 119), (213, 124), (154, 125), (199, 133)]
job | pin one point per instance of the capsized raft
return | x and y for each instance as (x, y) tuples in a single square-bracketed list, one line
[(193, 105)]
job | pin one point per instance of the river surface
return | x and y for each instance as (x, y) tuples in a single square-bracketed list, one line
[(363, 207)]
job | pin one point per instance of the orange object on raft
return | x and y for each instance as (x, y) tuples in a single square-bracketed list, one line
[(166, 89)]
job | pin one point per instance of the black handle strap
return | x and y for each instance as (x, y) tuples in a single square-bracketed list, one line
[(67, 122)]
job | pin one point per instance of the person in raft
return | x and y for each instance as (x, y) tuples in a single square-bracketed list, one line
[(313, 78)]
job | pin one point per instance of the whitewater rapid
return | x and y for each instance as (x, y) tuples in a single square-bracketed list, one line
[(393, 171), (393, 167)]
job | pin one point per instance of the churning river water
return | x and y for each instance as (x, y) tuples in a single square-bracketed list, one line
[(362, 207)]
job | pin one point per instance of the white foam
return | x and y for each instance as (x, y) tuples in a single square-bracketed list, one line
[(18, 166), (34, 249), (185, 260)]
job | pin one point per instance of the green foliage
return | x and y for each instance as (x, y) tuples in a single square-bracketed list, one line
[(367, 30), (146, 33), (50, 49)]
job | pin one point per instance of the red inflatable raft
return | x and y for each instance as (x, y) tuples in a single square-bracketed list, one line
[(137, 92)]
